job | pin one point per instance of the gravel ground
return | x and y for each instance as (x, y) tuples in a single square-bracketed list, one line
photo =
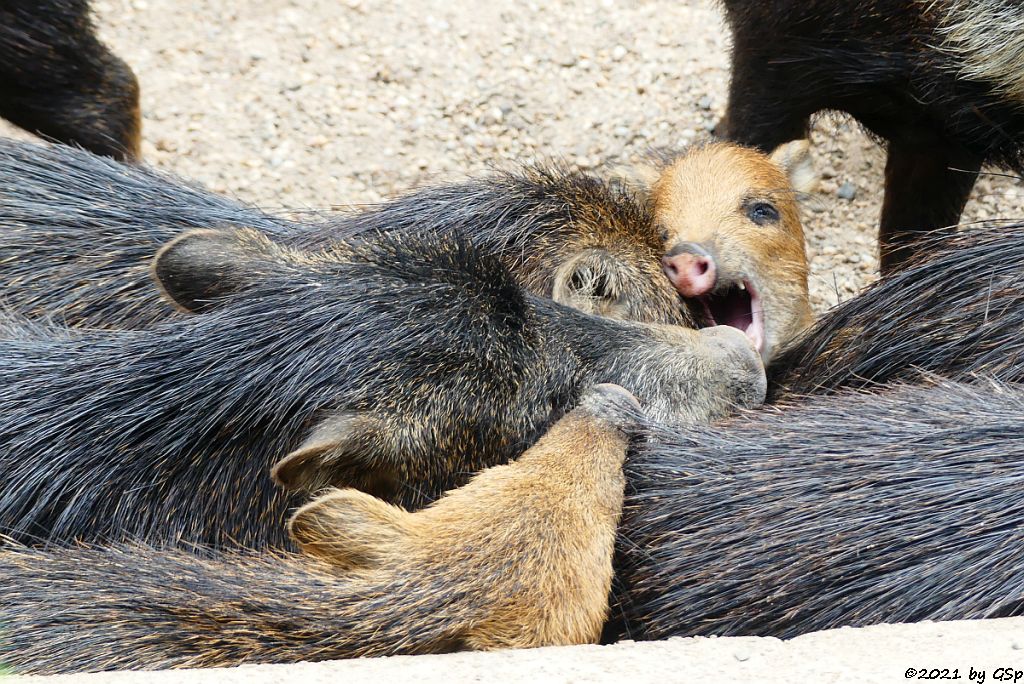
[(334, 103), (880, 654)]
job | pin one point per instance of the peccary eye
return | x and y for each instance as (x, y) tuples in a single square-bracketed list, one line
[(761, 212)]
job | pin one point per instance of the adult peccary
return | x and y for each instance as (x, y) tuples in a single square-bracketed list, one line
[(940, 80), (957, 310), (58, 80), (399, 366), (79, 231), (470, 571), (853, 509)]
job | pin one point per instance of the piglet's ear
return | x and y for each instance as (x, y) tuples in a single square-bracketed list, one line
[(198, 269), (351, 529), (639, 176), (794, 158)]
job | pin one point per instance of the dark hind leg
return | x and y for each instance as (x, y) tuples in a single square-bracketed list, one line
[(59, 81), (763, 111), (924, 191)]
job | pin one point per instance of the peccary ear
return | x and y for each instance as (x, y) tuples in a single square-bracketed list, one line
[(200, 267), (343, 450), (638, 177), (350, 529), (794, 158), (590, 281)]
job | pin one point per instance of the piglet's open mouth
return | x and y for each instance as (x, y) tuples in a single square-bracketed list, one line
[(737, 305)]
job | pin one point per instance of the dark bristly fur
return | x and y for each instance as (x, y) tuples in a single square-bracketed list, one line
[(535, 219), (423, 357), (79, 233), (851, 510), (469, 572), (956, 310), (58, 80), (907, 71), (854, 509)]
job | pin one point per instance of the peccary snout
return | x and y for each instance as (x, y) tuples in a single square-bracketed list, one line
[(691, 269)]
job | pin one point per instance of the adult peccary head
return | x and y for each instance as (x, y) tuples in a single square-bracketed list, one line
[(714, 374), (399, 366)]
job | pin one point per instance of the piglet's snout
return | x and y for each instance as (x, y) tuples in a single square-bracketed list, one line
[(691, 269)]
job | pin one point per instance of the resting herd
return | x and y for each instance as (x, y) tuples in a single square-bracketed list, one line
[(537, 407)]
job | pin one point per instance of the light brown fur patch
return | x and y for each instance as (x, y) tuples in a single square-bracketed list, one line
[(525, 549), (701, 197)]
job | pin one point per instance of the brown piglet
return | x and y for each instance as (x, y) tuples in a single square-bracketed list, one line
[(734, 244)]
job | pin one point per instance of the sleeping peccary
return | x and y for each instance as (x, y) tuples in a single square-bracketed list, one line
[(852, 509), (399, 366), (468, 572), (957, 310), (79, 233)]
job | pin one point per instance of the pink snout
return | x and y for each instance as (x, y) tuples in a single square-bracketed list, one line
[(692, 274)]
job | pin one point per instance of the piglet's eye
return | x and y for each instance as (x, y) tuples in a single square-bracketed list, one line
[(762, 212)]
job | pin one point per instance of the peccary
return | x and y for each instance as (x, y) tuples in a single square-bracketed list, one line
[(79, 232), (399, 366), (957, 310), (468, 572), (58, 80), (853, 509), (940, 80), (733, 241)]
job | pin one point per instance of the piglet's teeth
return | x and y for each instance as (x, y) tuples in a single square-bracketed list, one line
[(743, 286)]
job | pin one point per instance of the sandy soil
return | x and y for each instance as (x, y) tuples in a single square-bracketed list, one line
[(333, 103), (882, 654)]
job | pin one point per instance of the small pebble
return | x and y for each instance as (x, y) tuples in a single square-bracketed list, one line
[(847, 191)]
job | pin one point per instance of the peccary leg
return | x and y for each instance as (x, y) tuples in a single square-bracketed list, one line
[(59, 81), (519, 557), (924, 191), (756, 115)]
